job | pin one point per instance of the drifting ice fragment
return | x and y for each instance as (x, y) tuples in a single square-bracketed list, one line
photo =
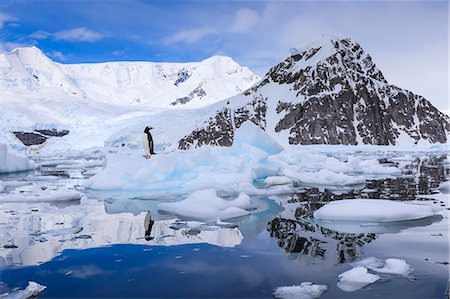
[(356, 279), (306, 290)]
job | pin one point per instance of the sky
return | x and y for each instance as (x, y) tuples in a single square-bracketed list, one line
[(408, 40)]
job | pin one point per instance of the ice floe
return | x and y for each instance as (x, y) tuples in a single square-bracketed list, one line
[(306, 290), (390, 266), (11, 162), (373, 210), (32, 290), (205, 205), (356, 279)]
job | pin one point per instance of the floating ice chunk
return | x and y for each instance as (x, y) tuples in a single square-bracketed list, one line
[(306, 290), (324, 177), (356, 279), (369, 263), (1, 187), (32, 290), (226, 169), (205, 205), (11, 162), (374, 167), (277, 180), (42, 196), (390, 266), (395, 266), (373, 210)]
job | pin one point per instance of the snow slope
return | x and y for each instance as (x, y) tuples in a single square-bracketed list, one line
[(94, 100)]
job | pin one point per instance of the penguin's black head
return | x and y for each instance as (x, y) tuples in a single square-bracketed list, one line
[(147, 129)]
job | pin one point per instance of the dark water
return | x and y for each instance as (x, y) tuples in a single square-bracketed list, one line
[(279, 244)]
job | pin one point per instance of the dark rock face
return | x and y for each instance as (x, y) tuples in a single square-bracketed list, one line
[(183, 75), (30, 138), (53, 132), (197, 92), (219, 132), (332, 94), (38, 136), (220, 129)]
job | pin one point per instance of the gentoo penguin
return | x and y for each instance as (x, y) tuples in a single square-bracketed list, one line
[(148, 142)]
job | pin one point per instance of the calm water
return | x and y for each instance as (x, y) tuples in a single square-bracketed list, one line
[(104, 246)]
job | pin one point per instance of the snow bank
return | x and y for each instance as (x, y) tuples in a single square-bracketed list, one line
[(390, 266), (373, 210), (10, 162), (306, 290), (356, 279), (32, 290), (205, 205)]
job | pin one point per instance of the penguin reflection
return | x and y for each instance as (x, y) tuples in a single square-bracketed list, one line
[(148, 224)]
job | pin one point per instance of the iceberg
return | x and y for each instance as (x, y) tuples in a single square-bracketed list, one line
[(11, 162), (373, 210)]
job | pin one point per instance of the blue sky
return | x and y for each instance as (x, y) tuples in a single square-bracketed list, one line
[(408, 40)]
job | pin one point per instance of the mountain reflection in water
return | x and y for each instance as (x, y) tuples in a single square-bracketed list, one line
[(298, 234)]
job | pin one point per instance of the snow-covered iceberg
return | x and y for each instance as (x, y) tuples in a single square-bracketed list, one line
[(373, 210), (230, 169), (11, 162)]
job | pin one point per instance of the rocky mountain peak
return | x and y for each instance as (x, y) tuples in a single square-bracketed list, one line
[(327, 91)]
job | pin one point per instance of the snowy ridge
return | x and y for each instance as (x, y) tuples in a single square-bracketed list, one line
[(328, 91), (144, 83), (94, 100)]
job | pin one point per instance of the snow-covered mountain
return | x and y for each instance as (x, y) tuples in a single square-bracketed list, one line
[(327, 91), (91, 101), (141, 83)]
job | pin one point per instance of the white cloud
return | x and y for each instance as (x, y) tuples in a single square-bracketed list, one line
[(81, 34), (244, 20), (41, 34), (5, 18), (190, 36), (57, 55), (117, 52), (6, 47)]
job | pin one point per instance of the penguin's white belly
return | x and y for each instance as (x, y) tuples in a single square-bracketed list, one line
[(146, 144)]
